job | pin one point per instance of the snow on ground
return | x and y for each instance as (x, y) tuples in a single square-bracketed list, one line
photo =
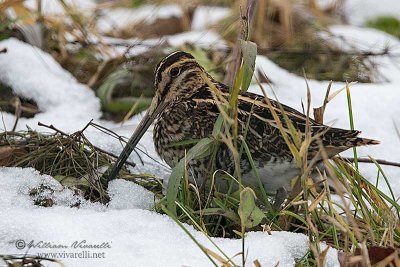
[(206, 16), (34, 74), (350, 38), (359, 11), (51, 7), (117, 18), (135, 236), (133, 232), (200, 38)]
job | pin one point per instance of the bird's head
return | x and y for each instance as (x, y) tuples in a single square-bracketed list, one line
[(177, 76)]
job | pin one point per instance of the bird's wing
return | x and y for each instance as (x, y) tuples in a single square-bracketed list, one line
[(334, 140), (261, 131)]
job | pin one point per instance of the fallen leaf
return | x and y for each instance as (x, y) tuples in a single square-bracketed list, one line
[(8, 153)]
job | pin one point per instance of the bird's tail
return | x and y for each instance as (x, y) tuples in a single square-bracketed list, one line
[(337, 140), (359, 141), (346, 138), (355, 140)]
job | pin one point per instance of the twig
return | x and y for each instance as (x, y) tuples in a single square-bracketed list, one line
[(17, 113), (86, 126), (4, 124), (380, 161), (51, 126), (106, 131)]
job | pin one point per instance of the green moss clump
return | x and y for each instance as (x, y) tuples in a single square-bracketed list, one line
[(387, 24)]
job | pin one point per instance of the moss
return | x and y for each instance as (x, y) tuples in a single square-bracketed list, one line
[(387, 24), (136, 3)]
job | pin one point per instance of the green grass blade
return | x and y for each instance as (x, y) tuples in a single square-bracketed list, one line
[(249, 52), (199, 150), (351, 121)]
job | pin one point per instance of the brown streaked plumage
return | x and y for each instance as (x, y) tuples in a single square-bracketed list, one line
[(185, 108)]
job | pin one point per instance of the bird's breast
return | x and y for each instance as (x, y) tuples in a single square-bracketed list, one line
[(180, 122)]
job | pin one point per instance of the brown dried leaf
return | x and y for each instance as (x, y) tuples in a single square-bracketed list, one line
[(216, 256), (257, 263), (378, 256), (8, 153), (319, 112)]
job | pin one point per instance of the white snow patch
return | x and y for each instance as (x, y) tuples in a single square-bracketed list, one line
[(351, 38), (16, 184), (118, 18), (200, 38), (34, 74), (359, 11), (131, 234), (363, 39), (128, 195), (206, 16), (51, 7)]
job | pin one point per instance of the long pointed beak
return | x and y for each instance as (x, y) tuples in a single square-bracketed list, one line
[(144, 124)]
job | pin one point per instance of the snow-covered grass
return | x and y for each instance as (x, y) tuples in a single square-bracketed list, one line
[(135, 234)]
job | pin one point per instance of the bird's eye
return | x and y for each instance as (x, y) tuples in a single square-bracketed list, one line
[(174, 72)]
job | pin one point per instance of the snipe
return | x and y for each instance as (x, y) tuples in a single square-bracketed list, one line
[(184, 108)]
